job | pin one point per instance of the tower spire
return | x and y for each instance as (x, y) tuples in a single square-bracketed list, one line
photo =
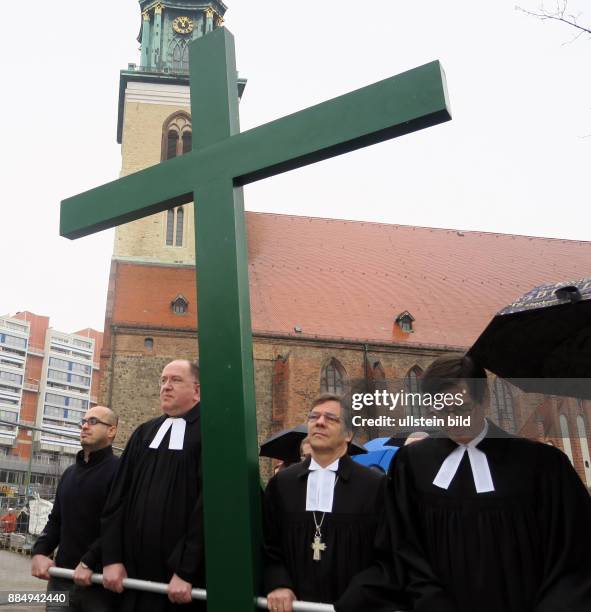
[(167, 28)]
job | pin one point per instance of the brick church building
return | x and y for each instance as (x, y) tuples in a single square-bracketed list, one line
[(336, 305)]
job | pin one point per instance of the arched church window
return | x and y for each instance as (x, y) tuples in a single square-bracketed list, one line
[(172, 144), (169, 227), (412, 386), (175, 225), (180, 55), (503, 405), (177, 139), (332, 378), (176, 135), (180, 220), (187, 142), (411, 380)]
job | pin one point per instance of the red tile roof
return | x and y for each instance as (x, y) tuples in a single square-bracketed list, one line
[(350, 279)]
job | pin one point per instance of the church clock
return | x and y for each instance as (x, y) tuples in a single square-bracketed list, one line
[(183, 25)]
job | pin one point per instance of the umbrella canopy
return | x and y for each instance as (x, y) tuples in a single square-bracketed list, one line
[(379, 454), (285, 445), (543, 340)]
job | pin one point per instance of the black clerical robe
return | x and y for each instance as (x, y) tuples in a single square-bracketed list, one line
[(525, 547), (153, 519), (348, 531)]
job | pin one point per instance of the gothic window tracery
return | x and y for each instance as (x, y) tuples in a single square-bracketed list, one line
[(177, 139), (179, 53), (503, 407), (412, 386), (180, 305), (332, 379), (175, 226)]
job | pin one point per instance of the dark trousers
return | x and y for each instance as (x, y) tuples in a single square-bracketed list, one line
[(82, 599)]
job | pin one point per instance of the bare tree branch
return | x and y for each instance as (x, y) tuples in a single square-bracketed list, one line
[(557, 15)]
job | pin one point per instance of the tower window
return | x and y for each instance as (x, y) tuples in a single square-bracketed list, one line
[(176, 135), (180, 220), (187, 141), (180, 55), (177, 139), (173, 140), (179, 305), (149, 343), (169, 227), (175, 224)]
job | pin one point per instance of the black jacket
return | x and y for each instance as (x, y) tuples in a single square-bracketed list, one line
[(74, 522)]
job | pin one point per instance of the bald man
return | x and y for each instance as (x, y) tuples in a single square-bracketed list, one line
[(152, 526), (74, 522)]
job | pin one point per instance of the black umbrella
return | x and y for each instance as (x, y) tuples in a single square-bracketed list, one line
[(543, 340), (285, 445)]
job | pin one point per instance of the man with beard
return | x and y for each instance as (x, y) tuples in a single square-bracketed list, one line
[(74, 523)]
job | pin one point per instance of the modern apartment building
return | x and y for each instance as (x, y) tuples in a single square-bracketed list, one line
[(14, 341), (48, 379)]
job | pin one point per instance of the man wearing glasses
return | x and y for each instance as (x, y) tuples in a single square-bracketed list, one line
[(321, 515), (152, 523), (74, 522)]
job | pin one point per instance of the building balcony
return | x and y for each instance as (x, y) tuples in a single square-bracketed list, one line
[(36, 351)]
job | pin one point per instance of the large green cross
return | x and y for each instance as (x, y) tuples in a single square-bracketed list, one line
[(222, 161)]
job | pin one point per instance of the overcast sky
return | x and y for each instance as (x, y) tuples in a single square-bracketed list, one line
[(514, 159)]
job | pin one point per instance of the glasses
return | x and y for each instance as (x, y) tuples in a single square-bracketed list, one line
[(176, 382), (93, 421), (328, 416)]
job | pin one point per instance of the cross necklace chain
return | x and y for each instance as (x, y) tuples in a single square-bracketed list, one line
[(318, 546)]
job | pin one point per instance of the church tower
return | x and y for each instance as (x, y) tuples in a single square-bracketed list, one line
[(154, 122)]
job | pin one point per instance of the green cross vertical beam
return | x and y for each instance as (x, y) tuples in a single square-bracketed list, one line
[(225, 343), (223, 160)]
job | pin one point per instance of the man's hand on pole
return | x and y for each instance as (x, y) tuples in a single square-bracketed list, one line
[(113, 576), (179, 590), (40, 565), (82, 575), (281, 600)]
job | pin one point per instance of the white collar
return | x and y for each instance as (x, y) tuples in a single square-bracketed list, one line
[(333, 467), (320, 487), (177, 435), (478, 462)]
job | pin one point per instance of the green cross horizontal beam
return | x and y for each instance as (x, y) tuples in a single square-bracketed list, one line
[(212, 176), (399, 105)]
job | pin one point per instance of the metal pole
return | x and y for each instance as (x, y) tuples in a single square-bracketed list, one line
[(201, 594), (300, 606), (128, 583)]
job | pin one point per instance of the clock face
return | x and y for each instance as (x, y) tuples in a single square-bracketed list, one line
[(183, 25)]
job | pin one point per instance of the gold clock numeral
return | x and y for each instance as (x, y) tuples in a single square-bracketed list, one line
[(182, 24)]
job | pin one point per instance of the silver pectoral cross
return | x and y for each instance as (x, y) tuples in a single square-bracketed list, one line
[(317, 546)]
